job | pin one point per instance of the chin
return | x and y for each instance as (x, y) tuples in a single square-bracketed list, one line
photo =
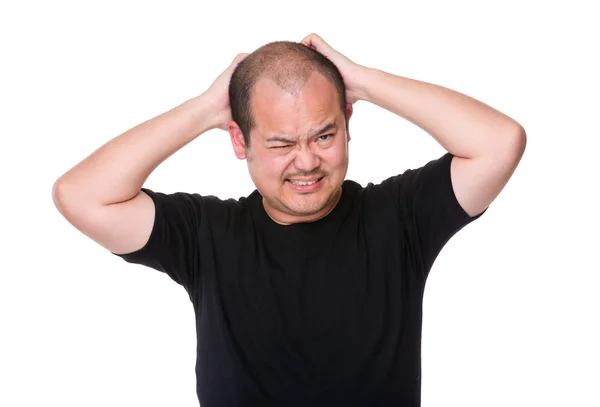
[(307, 205), (298, 210)]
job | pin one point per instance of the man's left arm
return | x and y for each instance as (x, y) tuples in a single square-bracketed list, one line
[(487, 145)]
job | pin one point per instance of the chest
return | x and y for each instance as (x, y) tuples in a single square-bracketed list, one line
[(336, 298), (323, 317)]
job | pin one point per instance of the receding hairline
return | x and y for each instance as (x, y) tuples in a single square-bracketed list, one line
[(289, 65), (292, 84), (294, 92)]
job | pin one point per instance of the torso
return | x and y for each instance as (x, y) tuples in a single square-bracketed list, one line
[(326, 311)]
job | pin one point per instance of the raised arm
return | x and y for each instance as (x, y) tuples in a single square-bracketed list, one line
[(101, 196), (487, 145)]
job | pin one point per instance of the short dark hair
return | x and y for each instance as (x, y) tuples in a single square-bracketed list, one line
[(289, 65)]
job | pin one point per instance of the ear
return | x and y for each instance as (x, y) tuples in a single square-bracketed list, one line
[(349, 110), (237, 140)]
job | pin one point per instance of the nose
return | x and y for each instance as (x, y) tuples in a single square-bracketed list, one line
[(306, 160)]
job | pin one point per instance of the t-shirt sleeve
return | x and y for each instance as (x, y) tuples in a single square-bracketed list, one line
[(429, 211), (173, 244)]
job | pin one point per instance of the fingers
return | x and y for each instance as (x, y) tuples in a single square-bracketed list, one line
[(307, 40), (317, 43), (239, 58), (313, 41)]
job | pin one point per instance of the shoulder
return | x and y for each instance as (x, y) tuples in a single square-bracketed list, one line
[(197, 207), (429, 185), (227, 216), (435, 171)]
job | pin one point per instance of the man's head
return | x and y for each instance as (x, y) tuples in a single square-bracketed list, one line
[(290, 122)]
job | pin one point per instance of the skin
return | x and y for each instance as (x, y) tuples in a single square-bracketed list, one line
[(287, 143), (487, 145)]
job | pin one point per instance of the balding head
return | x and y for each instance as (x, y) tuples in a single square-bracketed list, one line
[(289, 65)]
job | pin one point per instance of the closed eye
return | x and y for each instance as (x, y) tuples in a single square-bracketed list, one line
[(324, 137)]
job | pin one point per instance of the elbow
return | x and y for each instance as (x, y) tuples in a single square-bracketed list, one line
[(58, 195), (518, 142), (512, 146), (62, 195), (508, 147)]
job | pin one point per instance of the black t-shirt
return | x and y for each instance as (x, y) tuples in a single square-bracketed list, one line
[(324, 313)]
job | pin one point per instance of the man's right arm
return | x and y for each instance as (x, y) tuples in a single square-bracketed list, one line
[(101, 196)]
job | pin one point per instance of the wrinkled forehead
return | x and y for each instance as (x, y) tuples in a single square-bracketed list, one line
[(299, 111)]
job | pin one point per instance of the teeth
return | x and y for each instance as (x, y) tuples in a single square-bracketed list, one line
[(301, 183)]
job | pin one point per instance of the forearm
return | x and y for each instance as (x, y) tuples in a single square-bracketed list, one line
[(117, 170), (464, 126)]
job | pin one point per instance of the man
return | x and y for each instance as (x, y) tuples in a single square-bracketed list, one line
[(309, 290)]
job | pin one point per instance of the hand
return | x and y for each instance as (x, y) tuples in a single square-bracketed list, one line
[(351, 71), (218, 94)]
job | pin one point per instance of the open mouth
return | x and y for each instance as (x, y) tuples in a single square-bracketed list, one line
[(306, 186), (305, 183)]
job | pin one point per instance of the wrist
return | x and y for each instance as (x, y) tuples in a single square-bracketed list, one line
[(203, 112), (365, 77)]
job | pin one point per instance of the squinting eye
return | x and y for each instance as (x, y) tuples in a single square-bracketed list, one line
[(281, 146), (326, 136)]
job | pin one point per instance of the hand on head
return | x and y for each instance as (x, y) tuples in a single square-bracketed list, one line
[(351, 72), (219, 94)]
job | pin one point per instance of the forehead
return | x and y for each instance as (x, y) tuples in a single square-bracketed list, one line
[(295, 110)]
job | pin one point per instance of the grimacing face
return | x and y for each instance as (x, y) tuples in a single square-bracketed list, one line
[(298, 155)]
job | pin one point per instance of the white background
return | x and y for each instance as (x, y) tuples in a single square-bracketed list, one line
[(511, 305)]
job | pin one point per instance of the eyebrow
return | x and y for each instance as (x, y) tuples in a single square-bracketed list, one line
[(282, 139)]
